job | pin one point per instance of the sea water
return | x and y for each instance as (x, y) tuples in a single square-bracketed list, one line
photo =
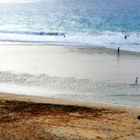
[(73, 72), (77, 72), (84, 22)]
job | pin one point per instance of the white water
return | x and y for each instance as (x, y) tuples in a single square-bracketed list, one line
[(106, 39), (69, 72)]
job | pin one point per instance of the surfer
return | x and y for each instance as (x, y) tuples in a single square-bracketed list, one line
[(125, 37)]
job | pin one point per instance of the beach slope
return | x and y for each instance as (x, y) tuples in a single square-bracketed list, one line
[(39, 118)]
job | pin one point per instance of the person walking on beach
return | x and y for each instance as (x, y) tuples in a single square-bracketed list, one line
[(118, 50)]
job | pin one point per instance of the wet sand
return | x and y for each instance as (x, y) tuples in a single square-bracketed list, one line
[(81, 62), (40, 118), (87, 73)]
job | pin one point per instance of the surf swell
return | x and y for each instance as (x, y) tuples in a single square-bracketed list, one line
[(32, 33), (68, 83), (105, 39), (68, 88)]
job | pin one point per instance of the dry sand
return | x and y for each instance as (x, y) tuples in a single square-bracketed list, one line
[(39, 118)]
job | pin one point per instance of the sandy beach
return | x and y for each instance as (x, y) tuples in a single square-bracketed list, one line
[(69, 70), (38, 118), (88, 74)]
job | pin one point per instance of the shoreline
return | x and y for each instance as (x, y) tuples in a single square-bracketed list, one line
[(71, 69), (31, 117), (98, 48), (48, 100)]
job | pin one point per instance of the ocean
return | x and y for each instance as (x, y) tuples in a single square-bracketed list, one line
[(67, 55), (75, 22)]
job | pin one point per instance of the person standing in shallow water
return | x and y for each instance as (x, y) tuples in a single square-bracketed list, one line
[(136, 81), (125, 37), (118, 50)]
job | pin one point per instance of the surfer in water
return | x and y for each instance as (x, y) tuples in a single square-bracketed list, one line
[(125, 37)]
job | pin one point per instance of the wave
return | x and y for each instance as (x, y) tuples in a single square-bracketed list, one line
[(126, 41), (32, 33), (67, 83), (69, 88), (60, 82)]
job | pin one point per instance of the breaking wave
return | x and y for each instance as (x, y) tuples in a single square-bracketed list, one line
[(69, 88), (105, 39)]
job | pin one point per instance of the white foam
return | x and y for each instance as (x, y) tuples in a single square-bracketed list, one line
[(106, 39)]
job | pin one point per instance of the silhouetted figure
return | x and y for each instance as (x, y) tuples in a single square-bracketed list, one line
[(64, 35), (136, 81), (118, 50), (125, 37)]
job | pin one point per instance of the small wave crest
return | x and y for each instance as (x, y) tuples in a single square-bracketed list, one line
[(126, 41), (68, 83), (68, 88), (32, 33)]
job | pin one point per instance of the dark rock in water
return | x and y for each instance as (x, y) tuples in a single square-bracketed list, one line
[(138, 117)]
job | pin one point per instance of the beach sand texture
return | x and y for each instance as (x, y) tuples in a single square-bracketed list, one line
[(39, 118), (69, 70)]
